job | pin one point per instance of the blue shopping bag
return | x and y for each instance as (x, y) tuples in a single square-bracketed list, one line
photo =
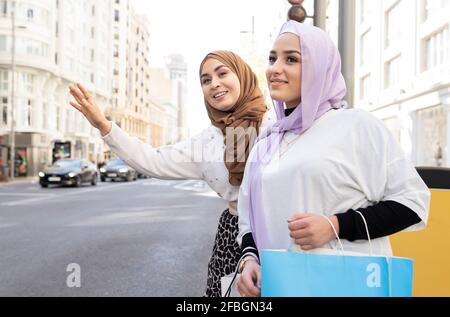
[(296, 274)]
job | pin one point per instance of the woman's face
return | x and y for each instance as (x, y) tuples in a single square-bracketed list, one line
[(221, 87), (284, 73)]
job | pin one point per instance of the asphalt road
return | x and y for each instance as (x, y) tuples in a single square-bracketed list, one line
[(144, 238)]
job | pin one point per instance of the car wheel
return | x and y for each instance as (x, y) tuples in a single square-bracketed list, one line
[(44, 185), (78, 181), (103, 179), (94, 180)]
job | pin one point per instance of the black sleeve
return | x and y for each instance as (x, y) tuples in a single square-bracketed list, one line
[(248, 246), (383, 219)]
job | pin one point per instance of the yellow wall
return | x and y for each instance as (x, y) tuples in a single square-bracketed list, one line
[(429, 248)]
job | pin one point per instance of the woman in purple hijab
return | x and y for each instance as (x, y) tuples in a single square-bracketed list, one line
[(320, 166)]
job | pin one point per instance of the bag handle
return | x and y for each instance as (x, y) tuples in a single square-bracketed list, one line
[(228, 292), (365, 225), (337, 236), (367, 231), (236, 273), (335, 232)]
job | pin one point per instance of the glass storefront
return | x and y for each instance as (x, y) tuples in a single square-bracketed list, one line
[(3, 163), (21, 162), (432, 124), (61, 150)]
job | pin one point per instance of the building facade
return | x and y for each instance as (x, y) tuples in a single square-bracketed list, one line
[(165, 96), (130, 107), (178, 75), (50, 55), (403, 73)]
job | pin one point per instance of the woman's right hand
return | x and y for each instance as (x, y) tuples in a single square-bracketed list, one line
[(249, 283), (86, 105)]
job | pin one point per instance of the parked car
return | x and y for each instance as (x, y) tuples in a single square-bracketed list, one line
[(70, 173), (118, 169)]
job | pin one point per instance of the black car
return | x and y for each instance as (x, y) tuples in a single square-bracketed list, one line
[(118, 169), (70, 173)]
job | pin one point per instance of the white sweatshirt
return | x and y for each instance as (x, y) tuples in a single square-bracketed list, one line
[(346, 160), (198, 158)]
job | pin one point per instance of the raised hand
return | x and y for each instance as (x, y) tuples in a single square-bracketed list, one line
[(86, 105)]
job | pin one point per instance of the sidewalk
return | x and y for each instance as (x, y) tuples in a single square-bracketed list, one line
[(20, 180)]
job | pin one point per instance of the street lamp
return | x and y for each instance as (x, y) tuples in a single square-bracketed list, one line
[(13, 70)]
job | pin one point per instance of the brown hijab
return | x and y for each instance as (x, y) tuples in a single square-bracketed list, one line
[(247, 114)]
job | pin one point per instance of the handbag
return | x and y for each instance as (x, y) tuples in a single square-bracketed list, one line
[(332, 273)]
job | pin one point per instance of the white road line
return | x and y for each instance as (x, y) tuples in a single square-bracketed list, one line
[(59, 196), (24, 194)]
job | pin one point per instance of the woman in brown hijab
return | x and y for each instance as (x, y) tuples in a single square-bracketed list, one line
[(237, 111)]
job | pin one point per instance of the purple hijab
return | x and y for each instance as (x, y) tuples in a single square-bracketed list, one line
[(322, 89)]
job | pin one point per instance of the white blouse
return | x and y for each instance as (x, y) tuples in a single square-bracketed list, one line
[(200, 157), (346, 160)]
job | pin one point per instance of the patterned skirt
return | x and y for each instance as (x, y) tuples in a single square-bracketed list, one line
[(225, 254)]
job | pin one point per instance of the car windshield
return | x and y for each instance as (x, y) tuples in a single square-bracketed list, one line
[(116, 163), (67, 164)]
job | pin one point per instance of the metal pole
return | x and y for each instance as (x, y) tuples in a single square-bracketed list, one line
[(347, 46), (320, 14), (13, 69)]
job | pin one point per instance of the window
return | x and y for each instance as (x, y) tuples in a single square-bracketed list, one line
[(365, 10), (29, 113), (4, 80), (4, 7), (28, 82), (366, 49), (394, 22), (2, 43), (32, 47), (30, 14), (433, 7), (365, 86), (392, 72), (116, 15), (4, 111), (437, 49)]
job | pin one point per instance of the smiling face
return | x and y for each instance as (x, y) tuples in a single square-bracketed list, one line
[(284, 73), (221, 87)]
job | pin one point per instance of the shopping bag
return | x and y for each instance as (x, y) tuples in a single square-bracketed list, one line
[(334, 273), (296, 274)]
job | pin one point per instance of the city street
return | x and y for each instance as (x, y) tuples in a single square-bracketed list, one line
[(144, 238)]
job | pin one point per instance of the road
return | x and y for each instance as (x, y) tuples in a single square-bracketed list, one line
[(144, 238)]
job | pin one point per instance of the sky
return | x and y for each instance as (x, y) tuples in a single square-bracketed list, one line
[(194, 28)]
